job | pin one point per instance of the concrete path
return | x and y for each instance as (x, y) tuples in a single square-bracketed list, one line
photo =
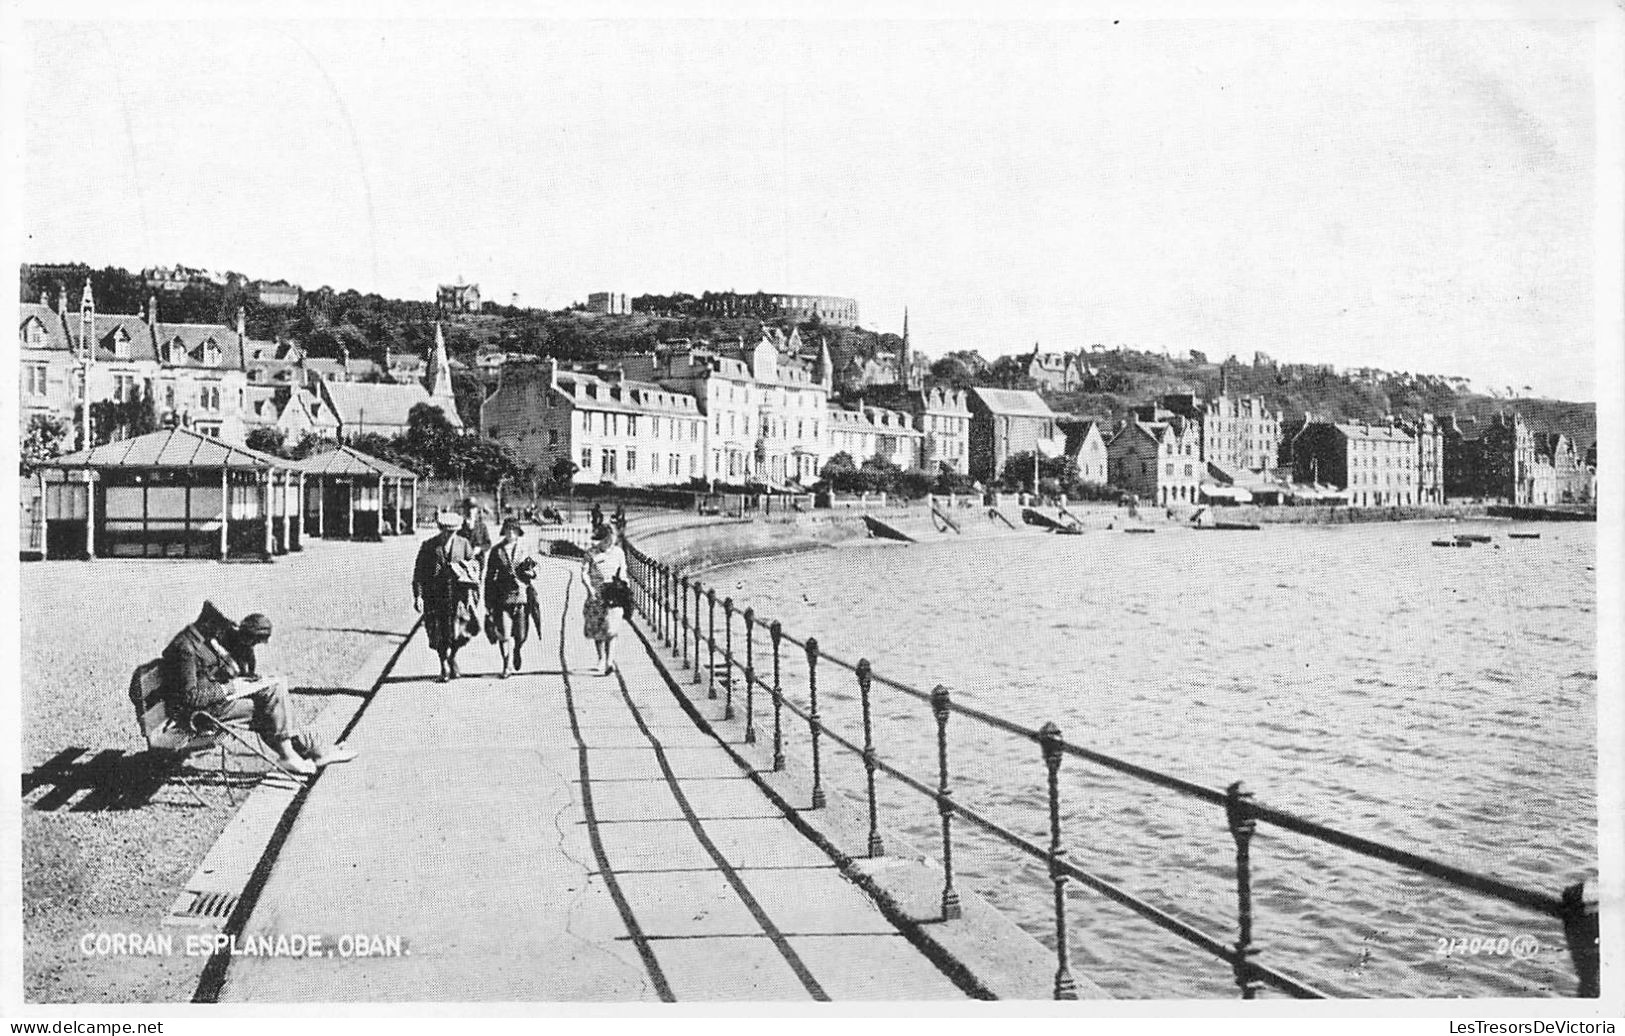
[(556, 836)]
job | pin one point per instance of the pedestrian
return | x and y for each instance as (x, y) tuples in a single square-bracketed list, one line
[(509, 570), (605, 564), (620, 520), (597, 519), (446, 587), (211, 668), (473, 528)]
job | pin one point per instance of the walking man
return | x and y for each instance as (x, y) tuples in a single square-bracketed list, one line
[(445, 587)]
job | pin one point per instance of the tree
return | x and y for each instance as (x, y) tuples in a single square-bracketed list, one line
[(837, 467), (266, 440), (1062, 471), (563, 472), (47, 436)]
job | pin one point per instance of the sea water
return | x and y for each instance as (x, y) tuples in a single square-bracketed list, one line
[(1438, 699)]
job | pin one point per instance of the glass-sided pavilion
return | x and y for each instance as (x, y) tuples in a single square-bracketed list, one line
[(173, 493), (353, 495)]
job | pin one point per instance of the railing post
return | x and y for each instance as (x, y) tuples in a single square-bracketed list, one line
[(728, 657), (711, 644), (699, 628), (750, 676), (865, 679), (777, 633), (1049, 740), (1580, 932), (812, 721), (683, 586), (1238, 811), (950, 896), (672, 632)]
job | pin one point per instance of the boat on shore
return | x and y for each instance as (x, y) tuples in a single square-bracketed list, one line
[(1231, 526), (1473, 537), (1523, 535), (1453, 543), (1137, 528)]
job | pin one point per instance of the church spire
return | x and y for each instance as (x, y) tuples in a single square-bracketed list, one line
[(439, 378), (905, 366)]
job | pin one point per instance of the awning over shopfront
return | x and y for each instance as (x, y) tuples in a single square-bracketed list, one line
[(1226, 494)]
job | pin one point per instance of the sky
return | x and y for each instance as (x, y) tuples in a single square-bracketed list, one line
[(1411, 195)]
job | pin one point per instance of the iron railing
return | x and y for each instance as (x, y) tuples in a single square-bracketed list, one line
[(663, 596)]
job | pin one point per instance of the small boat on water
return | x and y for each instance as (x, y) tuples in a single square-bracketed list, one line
[(1231, 526), (1137, 528), (1069, 530), (1453, 543), (1523, 535), (1473, 537)]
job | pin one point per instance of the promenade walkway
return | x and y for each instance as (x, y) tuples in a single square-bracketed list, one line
[(558, 836)]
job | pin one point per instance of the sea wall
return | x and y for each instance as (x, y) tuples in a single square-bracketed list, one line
[(1300, 515), (694, 544)]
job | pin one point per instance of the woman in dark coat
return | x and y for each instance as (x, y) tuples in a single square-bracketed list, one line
[(509, 570), (441, 590)]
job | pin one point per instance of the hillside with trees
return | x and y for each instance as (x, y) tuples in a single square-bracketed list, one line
[(328, 322)]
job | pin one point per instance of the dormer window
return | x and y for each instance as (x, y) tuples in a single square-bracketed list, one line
[(175, 353), (33, 333), (121, 344), (211, 353)]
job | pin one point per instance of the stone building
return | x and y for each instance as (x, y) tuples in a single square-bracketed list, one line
[(613, 303), (458, 298), (1571, 481), (1375, 463), (1237, 434), (829, 309), (794, 402), (613, 429), (1491, 461), (380, 407), (727, 396), (276, 294), (1056, 372), (1008, 421), (1086, 445), (48, 381), (1429, 436), (1159, 461)]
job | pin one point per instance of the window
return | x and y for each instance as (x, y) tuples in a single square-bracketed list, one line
[(211, 353), (1170, 470), (121, 344), (34, 375), (631, 460), (608, 467), (169, 396), (123, 387), (586, 460), (552, 436), (631, 429), (34, 332)]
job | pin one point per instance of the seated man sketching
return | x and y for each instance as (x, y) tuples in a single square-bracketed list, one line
[(211, 668)]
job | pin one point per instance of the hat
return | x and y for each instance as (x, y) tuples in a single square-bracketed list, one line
[(471, 502), (256, 625), (449, 520), (514, 525)]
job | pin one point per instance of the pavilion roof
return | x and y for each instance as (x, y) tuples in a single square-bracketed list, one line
[(170, 449)]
